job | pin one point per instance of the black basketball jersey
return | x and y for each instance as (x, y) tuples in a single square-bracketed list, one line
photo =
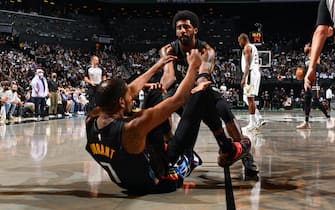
[(326, 14), (181, 65), (132, 172)]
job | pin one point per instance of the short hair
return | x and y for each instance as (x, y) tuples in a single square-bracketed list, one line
[(5, 83), (186, 15), (39, 70), (243, 36), (94, 56), (109, 92)]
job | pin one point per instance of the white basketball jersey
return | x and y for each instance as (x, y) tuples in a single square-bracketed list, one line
[(254, 65)]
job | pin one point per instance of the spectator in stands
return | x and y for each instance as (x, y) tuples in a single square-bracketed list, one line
[(39, 92), (29, 106), (275, 103), (287, 103), (141, 97), (3, 100), (14, 102), (68, 103), (329, 96), (267, 100), (80, 102), (53, 94)]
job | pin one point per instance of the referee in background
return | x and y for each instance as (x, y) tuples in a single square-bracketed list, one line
[(93, 76)]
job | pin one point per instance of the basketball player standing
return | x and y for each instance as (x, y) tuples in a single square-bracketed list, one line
[(251, 80), (312, 95)]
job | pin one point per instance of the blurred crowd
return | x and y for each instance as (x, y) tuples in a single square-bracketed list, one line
[(284, 65), (18, 67)]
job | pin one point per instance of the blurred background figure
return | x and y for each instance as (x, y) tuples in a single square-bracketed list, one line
[(53, 94), (39, 92), (14, 103), (93, 76), (329, 96), (3, 101)]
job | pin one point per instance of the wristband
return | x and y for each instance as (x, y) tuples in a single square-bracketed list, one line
[(206, 75)]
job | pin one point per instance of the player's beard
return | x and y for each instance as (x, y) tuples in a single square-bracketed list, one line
[(185, 40)]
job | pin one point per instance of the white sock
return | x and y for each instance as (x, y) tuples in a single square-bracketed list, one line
[(258, 115), (245, 99), (252, 120)]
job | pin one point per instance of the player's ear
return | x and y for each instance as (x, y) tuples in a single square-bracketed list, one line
[(196, 30), (122, 102)]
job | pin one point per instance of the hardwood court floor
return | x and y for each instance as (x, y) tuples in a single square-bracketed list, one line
[(43, 165)]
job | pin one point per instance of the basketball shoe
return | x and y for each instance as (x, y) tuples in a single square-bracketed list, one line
[(304, 125), (250, 167), (186, 166), (250, 127), (240, 151), (260, 123)]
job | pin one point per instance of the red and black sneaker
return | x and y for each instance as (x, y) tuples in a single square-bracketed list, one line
[(250, 166), (240, 150)]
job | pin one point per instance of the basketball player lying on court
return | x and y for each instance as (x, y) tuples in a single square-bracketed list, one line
[(118, 144)]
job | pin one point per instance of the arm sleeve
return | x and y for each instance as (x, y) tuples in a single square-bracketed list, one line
[(324, 16)]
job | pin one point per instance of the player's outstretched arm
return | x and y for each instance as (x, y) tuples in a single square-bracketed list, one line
[(207, 65), (136, 130), (140, 81), (319, 38), (168, 77)]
